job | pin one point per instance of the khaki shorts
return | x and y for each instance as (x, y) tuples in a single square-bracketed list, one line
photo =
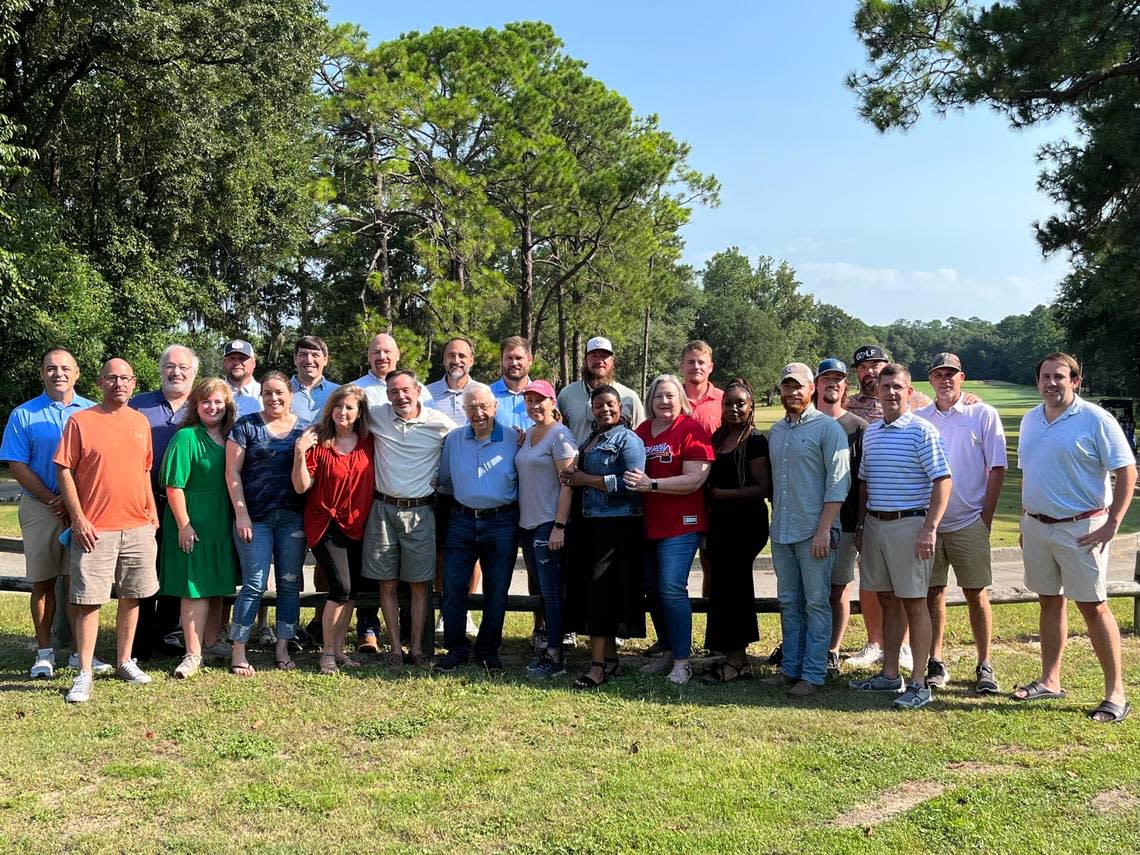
[(125, 559), (399, 543), (968, 550), (843, 567), (888, 558), (1055, 565), (44, 556)]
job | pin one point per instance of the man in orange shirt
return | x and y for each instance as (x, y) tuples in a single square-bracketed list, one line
[(103, 462), (705, 399)]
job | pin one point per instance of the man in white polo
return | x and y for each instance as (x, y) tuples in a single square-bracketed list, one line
[(1067, 449), (399, 539), (975, 445)]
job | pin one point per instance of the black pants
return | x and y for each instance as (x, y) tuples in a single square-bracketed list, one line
[(340, 557)]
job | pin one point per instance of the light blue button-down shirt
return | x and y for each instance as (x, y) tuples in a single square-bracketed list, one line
[(480, 473), (33, 432), (309, 403), (511, 411), (811, 465)]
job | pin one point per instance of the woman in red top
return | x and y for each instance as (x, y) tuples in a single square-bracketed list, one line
[(332, 462), (678, 453)]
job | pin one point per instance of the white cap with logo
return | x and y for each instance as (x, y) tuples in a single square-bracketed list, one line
[(599, 342)]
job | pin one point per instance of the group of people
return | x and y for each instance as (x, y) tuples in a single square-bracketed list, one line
[(391, 483)]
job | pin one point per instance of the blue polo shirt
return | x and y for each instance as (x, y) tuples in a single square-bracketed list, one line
[(164, 423), (308, 404), (511, 411), (1066, 462), (900, 462), (32, 434), (480, 473)]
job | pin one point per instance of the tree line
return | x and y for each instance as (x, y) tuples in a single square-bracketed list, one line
[(239, 167)]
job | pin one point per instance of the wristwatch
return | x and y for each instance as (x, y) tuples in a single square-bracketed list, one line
[(559, 525), (653, 485)]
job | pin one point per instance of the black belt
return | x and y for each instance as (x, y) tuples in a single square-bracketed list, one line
[(887, 516), (1048, 520), (488, 513), (403, 503)]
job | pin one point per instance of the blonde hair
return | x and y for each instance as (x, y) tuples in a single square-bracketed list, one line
[(667, 378), (201, 391)]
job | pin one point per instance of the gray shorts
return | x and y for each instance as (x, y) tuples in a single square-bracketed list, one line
[(843, 567), (125, 559), (399, 543)]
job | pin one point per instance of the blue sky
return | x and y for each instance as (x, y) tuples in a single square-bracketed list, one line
[(927, 224)]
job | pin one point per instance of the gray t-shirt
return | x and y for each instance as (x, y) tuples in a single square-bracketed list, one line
[(538, 477)]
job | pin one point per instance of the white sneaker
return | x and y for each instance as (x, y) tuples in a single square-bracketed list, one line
[(187, 668), (80, 689), (44, 666), (98, 666), (130, 672), (681, 673), (906, 659), (870, 655), (472, 627)]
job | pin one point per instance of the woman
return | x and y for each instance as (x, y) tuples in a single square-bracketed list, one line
[(198, 562), (739, 482), (605, 599), (332, 462), (547, 449), (268, 528), (678, 453)]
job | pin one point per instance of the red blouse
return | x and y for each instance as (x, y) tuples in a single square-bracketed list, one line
[(342, 490)]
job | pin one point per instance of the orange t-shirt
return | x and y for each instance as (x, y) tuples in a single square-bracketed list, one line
[(110, 456)]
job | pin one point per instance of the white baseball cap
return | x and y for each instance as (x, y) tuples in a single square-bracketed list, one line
[(599, 342)]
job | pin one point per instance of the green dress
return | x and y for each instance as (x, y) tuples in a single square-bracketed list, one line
[(197, 464)]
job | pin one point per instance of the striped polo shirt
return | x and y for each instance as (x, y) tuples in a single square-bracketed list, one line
[(900, 461)]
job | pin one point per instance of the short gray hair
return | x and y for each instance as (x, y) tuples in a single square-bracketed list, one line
[(166, 356), (470, 390)]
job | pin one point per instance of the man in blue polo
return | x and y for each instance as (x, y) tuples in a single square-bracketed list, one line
[(478, 468), (310, 386), (906, 487), (811, 474), (515, 358), (31, 437)]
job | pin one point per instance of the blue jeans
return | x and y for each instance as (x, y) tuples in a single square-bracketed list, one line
[(667, 564), (549, 566), (494, 543), (278, 538), (803, 587)]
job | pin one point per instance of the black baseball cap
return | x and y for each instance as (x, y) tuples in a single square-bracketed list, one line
[(869, 353)]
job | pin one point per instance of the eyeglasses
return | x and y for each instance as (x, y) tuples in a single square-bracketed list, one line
[(481, 408)]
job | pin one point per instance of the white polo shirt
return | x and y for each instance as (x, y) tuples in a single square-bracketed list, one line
[(975, 444), (407, 450), (1066, 462), (376, 390)]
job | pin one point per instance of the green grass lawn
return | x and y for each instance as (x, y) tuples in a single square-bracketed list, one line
[(1012, 402), (9, 524), (392, 761)]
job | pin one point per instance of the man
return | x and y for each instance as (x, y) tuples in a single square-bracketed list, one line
[(515, 358), (975, 446), (165, 411), (383, 357), (447, 391), (238, 363), (906, 485), (831, 400), (811, 474), (868, 361), (1067, 449), (597, 370), (31, 437), (478, 468), (310, 386), (103, 465), (696, 366), (399, 540)]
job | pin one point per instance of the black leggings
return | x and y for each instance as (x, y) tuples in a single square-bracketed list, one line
[(340, 557)]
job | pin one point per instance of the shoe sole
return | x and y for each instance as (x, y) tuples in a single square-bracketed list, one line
[(897, 691)]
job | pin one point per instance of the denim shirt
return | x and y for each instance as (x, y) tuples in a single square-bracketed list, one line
[(617, 450)]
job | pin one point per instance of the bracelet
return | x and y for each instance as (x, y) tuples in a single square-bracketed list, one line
[(559, 525)]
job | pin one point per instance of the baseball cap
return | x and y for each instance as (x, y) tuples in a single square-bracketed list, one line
[(238, 346), (797, 370), (869, 353), (830, 364), (946, 360), (541, 387), (599, 342)]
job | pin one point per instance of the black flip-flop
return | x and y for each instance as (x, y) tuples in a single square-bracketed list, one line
[(1119, 712), (1035, 691)]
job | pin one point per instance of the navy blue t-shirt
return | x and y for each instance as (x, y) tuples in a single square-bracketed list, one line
[(266, 473)]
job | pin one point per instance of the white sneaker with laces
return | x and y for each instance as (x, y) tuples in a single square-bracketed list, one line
[(130, 672), (906, 659), (98, 666), (681, 674), (80, 689), (44, 666), (870, 654)]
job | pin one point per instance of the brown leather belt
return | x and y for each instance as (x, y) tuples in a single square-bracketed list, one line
[(1048, 520), (887, 516), (403, 503), (487, 513)]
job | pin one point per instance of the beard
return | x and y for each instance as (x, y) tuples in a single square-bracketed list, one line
[(792, 407), (457, 373), (595, 378), (176, 387)]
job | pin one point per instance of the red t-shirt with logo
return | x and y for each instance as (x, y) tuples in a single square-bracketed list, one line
[(666, 514)]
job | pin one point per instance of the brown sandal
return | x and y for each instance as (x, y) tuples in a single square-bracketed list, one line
[(720, 673), (328, 664)]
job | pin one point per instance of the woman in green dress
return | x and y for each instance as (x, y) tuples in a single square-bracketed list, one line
[(198, 560)]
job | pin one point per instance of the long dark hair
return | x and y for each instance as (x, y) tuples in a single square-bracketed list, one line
[(739, 457)]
